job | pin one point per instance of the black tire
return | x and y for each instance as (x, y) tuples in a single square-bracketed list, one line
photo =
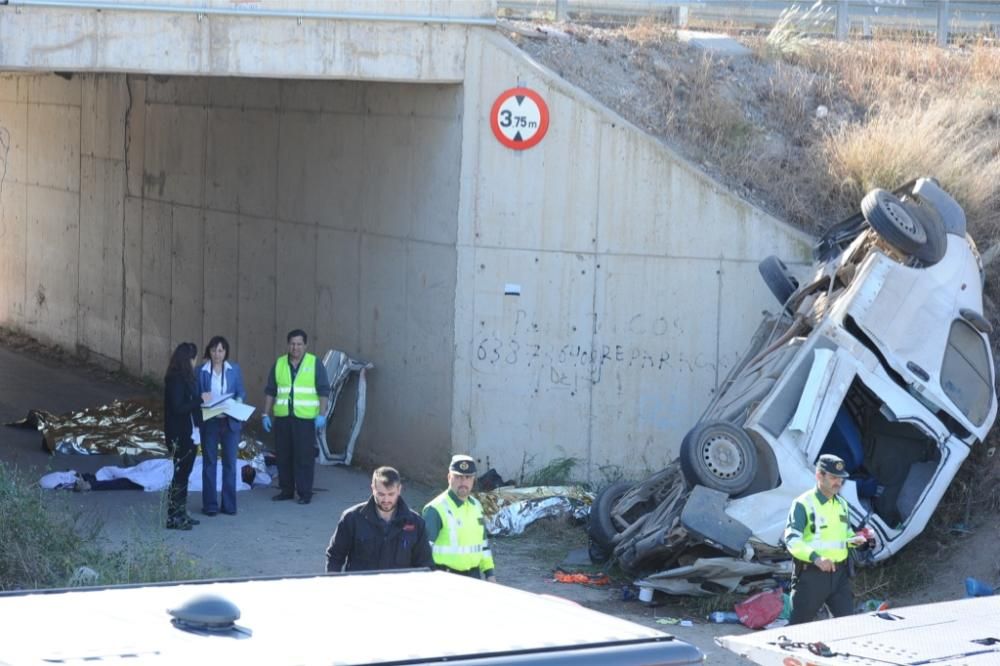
[(600, 528), (598, 554), (720, 456), (890, 220), (933, 250), (777, 278)]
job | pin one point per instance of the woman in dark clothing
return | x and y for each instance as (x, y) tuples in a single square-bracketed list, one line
[(182, 412)]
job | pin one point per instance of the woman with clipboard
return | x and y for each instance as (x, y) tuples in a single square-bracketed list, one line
[(219, 379)]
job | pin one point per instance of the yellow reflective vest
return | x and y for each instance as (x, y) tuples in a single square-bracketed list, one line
[(826, 530), (461, 544), (305, 401)]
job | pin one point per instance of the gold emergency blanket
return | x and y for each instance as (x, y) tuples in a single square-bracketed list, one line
[(510, 510), (125, 427)]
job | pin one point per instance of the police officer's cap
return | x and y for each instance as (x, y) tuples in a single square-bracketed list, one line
[(833, 465), (465, 465)]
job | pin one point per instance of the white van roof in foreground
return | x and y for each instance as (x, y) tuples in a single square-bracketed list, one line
[(952, 633), (406, 617)]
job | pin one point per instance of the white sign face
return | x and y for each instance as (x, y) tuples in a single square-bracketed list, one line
[(519, 118)]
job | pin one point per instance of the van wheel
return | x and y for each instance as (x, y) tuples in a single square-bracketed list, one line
[(890, 220), (600, 528), (777, 278), (720, 456)]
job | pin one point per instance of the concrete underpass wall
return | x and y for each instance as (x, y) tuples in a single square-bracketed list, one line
[(638, 276), (136, 213), (384, 218)]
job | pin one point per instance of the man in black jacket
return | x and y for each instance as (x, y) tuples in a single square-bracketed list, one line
[(382, 533)]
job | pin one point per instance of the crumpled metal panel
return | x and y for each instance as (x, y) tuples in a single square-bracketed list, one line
[(339, 367), (125, 427), (708, 576), (508, 511)]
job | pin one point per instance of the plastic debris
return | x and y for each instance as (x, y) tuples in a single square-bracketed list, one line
[(723, 617), (668, 620), (761, 609), (580, 578), (977, 588), (873, 606)]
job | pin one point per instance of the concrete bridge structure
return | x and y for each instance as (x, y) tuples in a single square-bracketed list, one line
[(175, 170)]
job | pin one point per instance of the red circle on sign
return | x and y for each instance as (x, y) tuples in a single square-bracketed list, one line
[(519, 118)]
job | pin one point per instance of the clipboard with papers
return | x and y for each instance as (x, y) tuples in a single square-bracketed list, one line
[(225, 404)]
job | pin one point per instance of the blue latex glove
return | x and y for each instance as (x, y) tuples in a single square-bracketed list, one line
[(267, 422), (320, 422)]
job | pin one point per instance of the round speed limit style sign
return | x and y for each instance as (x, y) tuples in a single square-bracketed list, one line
[(519, 118)]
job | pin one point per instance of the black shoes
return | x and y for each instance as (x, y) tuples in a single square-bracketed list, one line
[(209, 513), (281, 497), (182, 523)]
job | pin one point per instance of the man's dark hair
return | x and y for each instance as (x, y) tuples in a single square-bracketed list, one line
[(297, 333), (387, 476)]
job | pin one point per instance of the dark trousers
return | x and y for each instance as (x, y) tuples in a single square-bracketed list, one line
[(811, 588), (110, 484), (184, 451), (295, 441), (214, 433)]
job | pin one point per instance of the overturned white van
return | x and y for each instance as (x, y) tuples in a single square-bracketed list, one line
[(880, 355)]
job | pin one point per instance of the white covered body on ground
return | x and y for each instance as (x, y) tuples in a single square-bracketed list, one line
[(155, 475)]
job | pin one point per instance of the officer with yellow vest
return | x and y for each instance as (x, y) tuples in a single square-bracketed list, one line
[(818, 535), (297, 390), (455, 525)]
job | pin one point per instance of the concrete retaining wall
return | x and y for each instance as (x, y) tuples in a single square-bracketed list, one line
[(638, 275)]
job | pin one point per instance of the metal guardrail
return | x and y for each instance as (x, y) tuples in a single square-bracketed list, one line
[(941, 17)]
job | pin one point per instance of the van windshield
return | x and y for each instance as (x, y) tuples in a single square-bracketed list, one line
[(965, 372)]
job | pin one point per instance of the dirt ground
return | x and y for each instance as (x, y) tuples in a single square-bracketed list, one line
[(269, 538)]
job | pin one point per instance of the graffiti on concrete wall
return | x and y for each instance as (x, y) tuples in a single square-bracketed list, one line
[(643, 343)]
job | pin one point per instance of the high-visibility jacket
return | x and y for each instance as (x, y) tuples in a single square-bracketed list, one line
[(461, 544), (305, 401), (826, 529)]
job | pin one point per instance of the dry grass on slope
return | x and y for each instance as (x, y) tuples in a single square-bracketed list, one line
[(891, 110), (956, 139)]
